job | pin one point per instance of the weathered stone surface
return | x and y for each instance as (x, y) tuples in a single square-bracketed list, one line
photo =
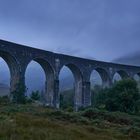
[(19, 56)]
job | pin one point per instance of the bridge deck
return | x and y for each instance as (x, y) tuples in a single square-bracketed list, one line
[(4, 43)]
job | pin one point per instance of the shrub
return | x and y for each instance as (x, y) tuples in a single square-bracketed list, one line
[(18, 95), (137, 106), (124, 96), (100, 97), (4, 100), (35, 95), (66, 99), (69, 109), (117, 117)]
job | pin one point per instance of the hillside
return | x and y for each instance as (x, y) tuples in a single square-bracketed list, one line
[(31, 122)]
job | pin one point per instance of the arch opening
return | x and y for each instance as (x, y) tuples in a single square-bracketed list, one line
[(101, 75), (137, 77), (4, 78), (34, 78), (11, 71), (120, 75), (99, 79), (70, 79), (95, 80), (39, 77), (66, 79)]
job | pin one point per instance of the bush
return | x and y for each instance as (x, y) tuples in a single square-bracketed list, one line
[(94, 94), (4, 100), (137, 106), (18, 95), (68, 116), (116, 117), (35, 95), (99, 98), (67, 99), (124, 96), (69, 109)]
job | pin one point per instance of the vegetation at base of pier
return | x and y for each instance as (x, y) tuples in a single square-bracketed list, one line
[(124, 96), (18, 95), (35, 95), (102, 121)]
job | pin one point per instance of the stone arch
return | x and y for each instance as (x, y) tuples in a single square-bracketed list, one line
[(77, 74), (49, 82), (103, 75), (14, 68), (123, 74)]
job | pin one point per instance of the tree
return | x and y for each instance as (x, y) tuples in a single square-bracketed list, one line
[(67, 99), (124, 96), (18, 95), (95, 95), (35, 95)]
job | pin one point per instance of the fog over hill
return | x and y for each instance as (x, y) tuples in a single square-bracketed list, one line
[(130, 59)]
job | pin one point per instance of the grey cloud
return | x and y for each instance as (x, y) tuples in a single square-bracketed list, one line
[(101, 29)]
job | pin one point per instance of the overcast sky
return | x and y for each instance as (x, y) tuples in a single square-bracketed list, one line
[(101, 29)]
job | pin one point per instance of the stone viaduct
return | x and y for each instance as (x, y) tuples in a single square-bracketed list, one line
[(18, 57)]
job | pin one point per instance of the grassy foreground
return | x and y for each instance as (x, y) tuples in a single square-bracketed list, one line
[(30, 122)]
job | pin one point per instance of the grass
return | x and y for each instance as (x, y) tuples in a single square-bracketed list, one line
[(29, 122)]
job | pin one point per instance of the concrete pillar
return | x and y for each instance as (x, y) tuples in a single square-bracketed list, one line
[(56, 99), (78, 95), (51, 96), (86, 94), (16, 78), (49, 92)]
